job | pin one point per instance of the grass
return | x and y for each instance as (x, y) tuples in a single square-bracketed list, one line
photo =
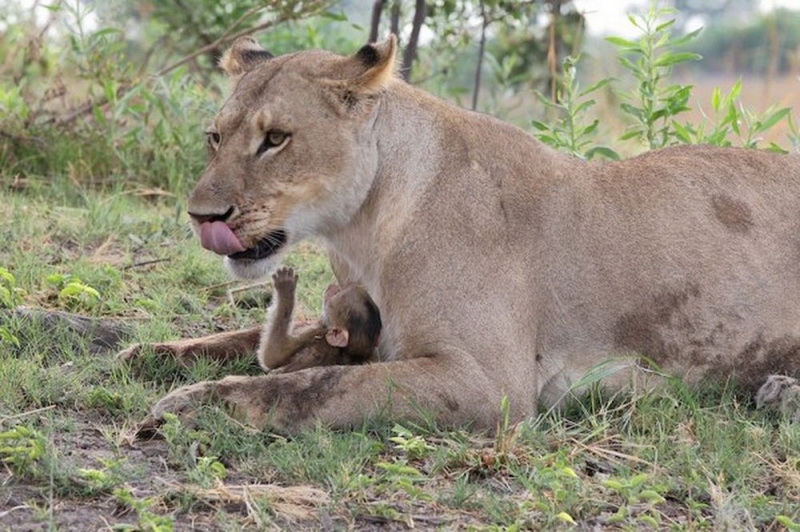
[(672, 459)]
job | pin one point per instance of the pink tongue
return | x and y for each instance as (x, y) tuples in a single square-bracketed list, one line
[(218, 237)]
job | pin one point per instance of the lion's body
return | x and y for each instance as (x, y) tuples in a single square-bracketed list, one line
[(500, 266)]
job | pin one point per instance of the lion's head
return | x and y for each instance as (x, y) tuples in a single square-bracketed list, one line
[(290, 153)]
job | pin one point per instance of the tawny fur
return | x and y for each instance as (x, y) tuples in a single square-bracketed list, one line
[(501, 267)]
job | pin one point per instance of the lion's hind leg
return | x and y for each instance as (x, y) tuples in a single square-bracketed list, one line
[(782, 393)]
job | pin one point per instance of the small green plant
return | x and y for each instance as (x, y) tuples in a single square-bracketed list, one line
[(398, 474), (74, 294), (147, 519), (105, 479), (639, 500), (731, 118), (183, 444), (22, 449), (651, 103), (10, 294), (208, 471), (573, 132), (185, 448), (415, 447)]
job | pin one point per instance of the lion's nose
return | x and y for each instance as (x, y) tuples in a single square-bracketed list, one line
[(212, 217)]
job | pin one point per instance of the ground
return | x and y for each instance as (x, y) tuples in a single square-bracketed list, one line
[(72, 457)]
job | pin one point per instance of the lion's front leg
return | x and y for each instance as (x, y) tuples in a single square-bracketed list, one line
[(345, 396), (221, 347)]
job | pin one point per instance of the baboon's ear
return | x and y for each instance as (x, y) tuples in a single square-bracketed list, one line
[(242, 56), (337, 337), (370, 69)]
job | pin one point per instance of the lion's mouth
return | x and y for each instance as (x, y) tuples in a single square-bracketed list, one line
[(263, 248)]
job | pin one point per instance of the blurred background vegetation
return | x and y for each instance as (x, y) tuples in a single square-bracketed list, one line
[(116, 94)]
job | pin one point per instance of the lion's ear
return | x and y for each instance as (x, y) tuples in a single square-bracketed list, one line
[(242, 56), (368, 70)]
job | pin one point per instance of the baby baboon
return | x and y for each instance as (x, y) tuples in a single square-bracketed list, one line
[(347, 332)]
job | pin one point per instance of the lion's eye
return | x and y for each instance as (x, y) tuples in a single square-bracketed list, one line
[(272, 139), (213, 138)]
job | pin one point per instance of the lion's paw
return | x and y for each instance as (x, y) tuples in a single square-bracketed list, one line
[(783, 393), (131, 353), (184, 401), (170, 350)]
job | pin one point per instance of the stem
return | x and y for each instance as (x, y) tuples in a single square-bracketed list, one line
[(410, 52), (377, 10), (481, 48)]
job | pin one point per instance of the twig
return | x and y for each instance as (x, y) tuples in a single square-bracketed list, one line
[(146, 263), (219, 285), (20, 507), (236, 290), (375, 23), (28, 413), (410, 53), (481, 48)]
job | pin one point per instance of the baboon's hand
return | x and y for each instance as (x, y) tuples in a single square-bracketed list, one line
[(285, 281)]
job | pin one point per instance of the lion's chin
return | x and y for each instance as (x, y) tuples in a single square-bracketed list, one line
[(252, 269)]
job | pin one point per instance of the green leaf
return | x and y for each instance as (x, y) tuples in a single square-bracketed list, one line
[(549, 139), (716, 96), (334, 16), (680, 41), (591, 88), (664, 25), (613, 484), (682, 132), (652, 497), (788, 523), (591, 128), (675, 58), (583, 106), (627, 63), (564, 516), (8, 277), (774, 148), (602, 151), (541, 126), (774, 118), (625, 43), (631, 110)]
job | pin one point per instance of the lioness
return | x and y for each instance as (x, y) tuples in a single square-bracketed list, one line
[(501, 267)]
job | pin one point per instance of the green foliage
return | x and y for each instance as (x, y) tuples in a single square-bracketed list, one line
[(731, 118), (573, 132), (654, 105), (413, 445), (106, 479), (651, 105), (23, 449), (72, 292), (148, 520), (10, 294), (130, 129)]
